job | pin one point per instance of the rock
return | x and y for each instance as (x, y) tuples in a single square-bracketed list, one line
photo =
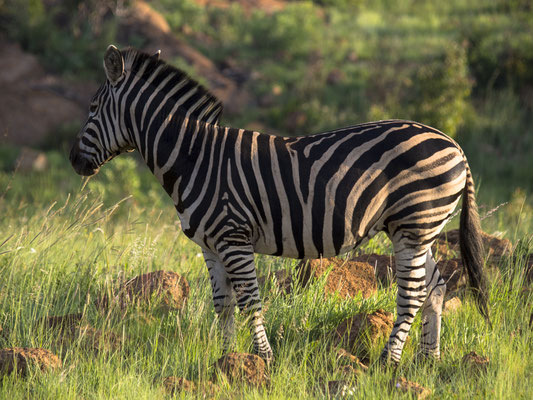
[(412, 387), (447, 244), (351, 361), (175, 384), (474, 361), (142, 21), (452, 271), (282, 280), (28, 90), (20, 359), (452, 305), (248, 368), (362, 331), (384, 267), (347, 278), (166, 289)]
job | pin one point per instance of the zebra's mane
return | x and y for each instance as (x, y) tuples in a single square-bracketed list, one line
[(135, 60)]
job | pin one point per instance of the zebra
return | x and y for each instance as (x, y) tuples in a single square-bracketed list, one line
[(240, 192)]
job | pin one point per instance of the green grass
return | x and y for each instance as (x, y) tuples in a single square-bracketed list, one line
[(62, 251)]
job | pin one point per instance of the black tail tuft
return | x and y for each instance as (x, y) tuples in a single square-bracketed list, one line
[(472, 246)]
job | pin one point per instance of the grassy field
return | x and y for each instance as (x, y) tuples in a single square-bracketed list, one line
[(464, 67), (61, 249)]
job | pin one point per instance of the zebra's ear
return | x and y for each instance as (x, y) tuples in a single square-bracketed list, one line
[(113, 65), (157, 55)]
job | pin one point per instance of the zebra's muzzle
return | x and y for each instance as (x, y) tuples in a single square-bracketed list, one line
[(81, 164)]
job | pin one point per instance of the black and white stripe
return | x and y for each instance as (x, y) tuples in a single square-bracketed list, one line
[(239, 192)]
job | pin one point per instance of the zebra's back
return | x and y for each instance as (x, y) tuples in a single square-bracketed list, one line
[(323, 194)]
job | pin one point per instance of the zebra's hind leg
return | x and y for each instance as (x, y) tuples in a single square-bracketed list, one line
[(411, 278), (239, 264), (432, 310), (223, 297)]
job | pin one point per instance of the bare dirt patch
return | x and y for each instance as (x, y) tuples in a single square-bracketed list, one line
[(413, 388), (20, 360), (347, 278), (362, 331), (242, 367), (166, 290), (384, 267)]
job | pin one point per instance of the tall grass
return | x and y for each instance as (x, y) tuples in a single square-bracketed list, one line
[(56, 258)]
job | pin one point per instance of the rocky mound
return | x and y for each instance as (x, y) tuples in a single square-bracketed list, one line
[(447, 246), (165, 289), (347, 278), (243, 367), (140, 20), (363, 331), (28, 90), (21, 359), (415, 389), (475, 362), (384, 267)]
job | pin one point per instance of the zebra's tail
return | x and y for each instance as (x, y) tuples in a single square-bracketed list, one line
[(472, 246)]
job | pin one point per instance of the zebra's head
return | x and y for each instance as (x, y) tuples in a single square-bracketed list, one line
[(103, 136)]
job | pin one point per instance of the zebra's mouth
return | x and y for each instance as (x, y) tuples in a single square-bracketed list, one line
[(82, 165)]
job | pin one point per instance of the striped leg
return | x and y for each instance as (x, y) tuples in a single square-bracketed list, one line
[(240, 268), (432, 310), (223, 297), (411, 278)]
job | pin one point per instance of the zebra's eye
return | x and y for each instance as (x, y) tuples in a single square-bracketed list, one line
[(93, 107)]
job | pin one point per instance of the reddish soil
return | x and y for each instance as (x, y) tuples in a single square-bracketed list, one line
[(415, 389), (21, 359), (383, 265), (165, 289), (247, 368), (347, 278), (362, 331)]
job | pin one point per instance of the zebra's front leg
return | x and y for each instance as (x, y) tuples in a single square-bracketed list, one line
[(223, 298), (239, 263), (432, 310), (411, 278)]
